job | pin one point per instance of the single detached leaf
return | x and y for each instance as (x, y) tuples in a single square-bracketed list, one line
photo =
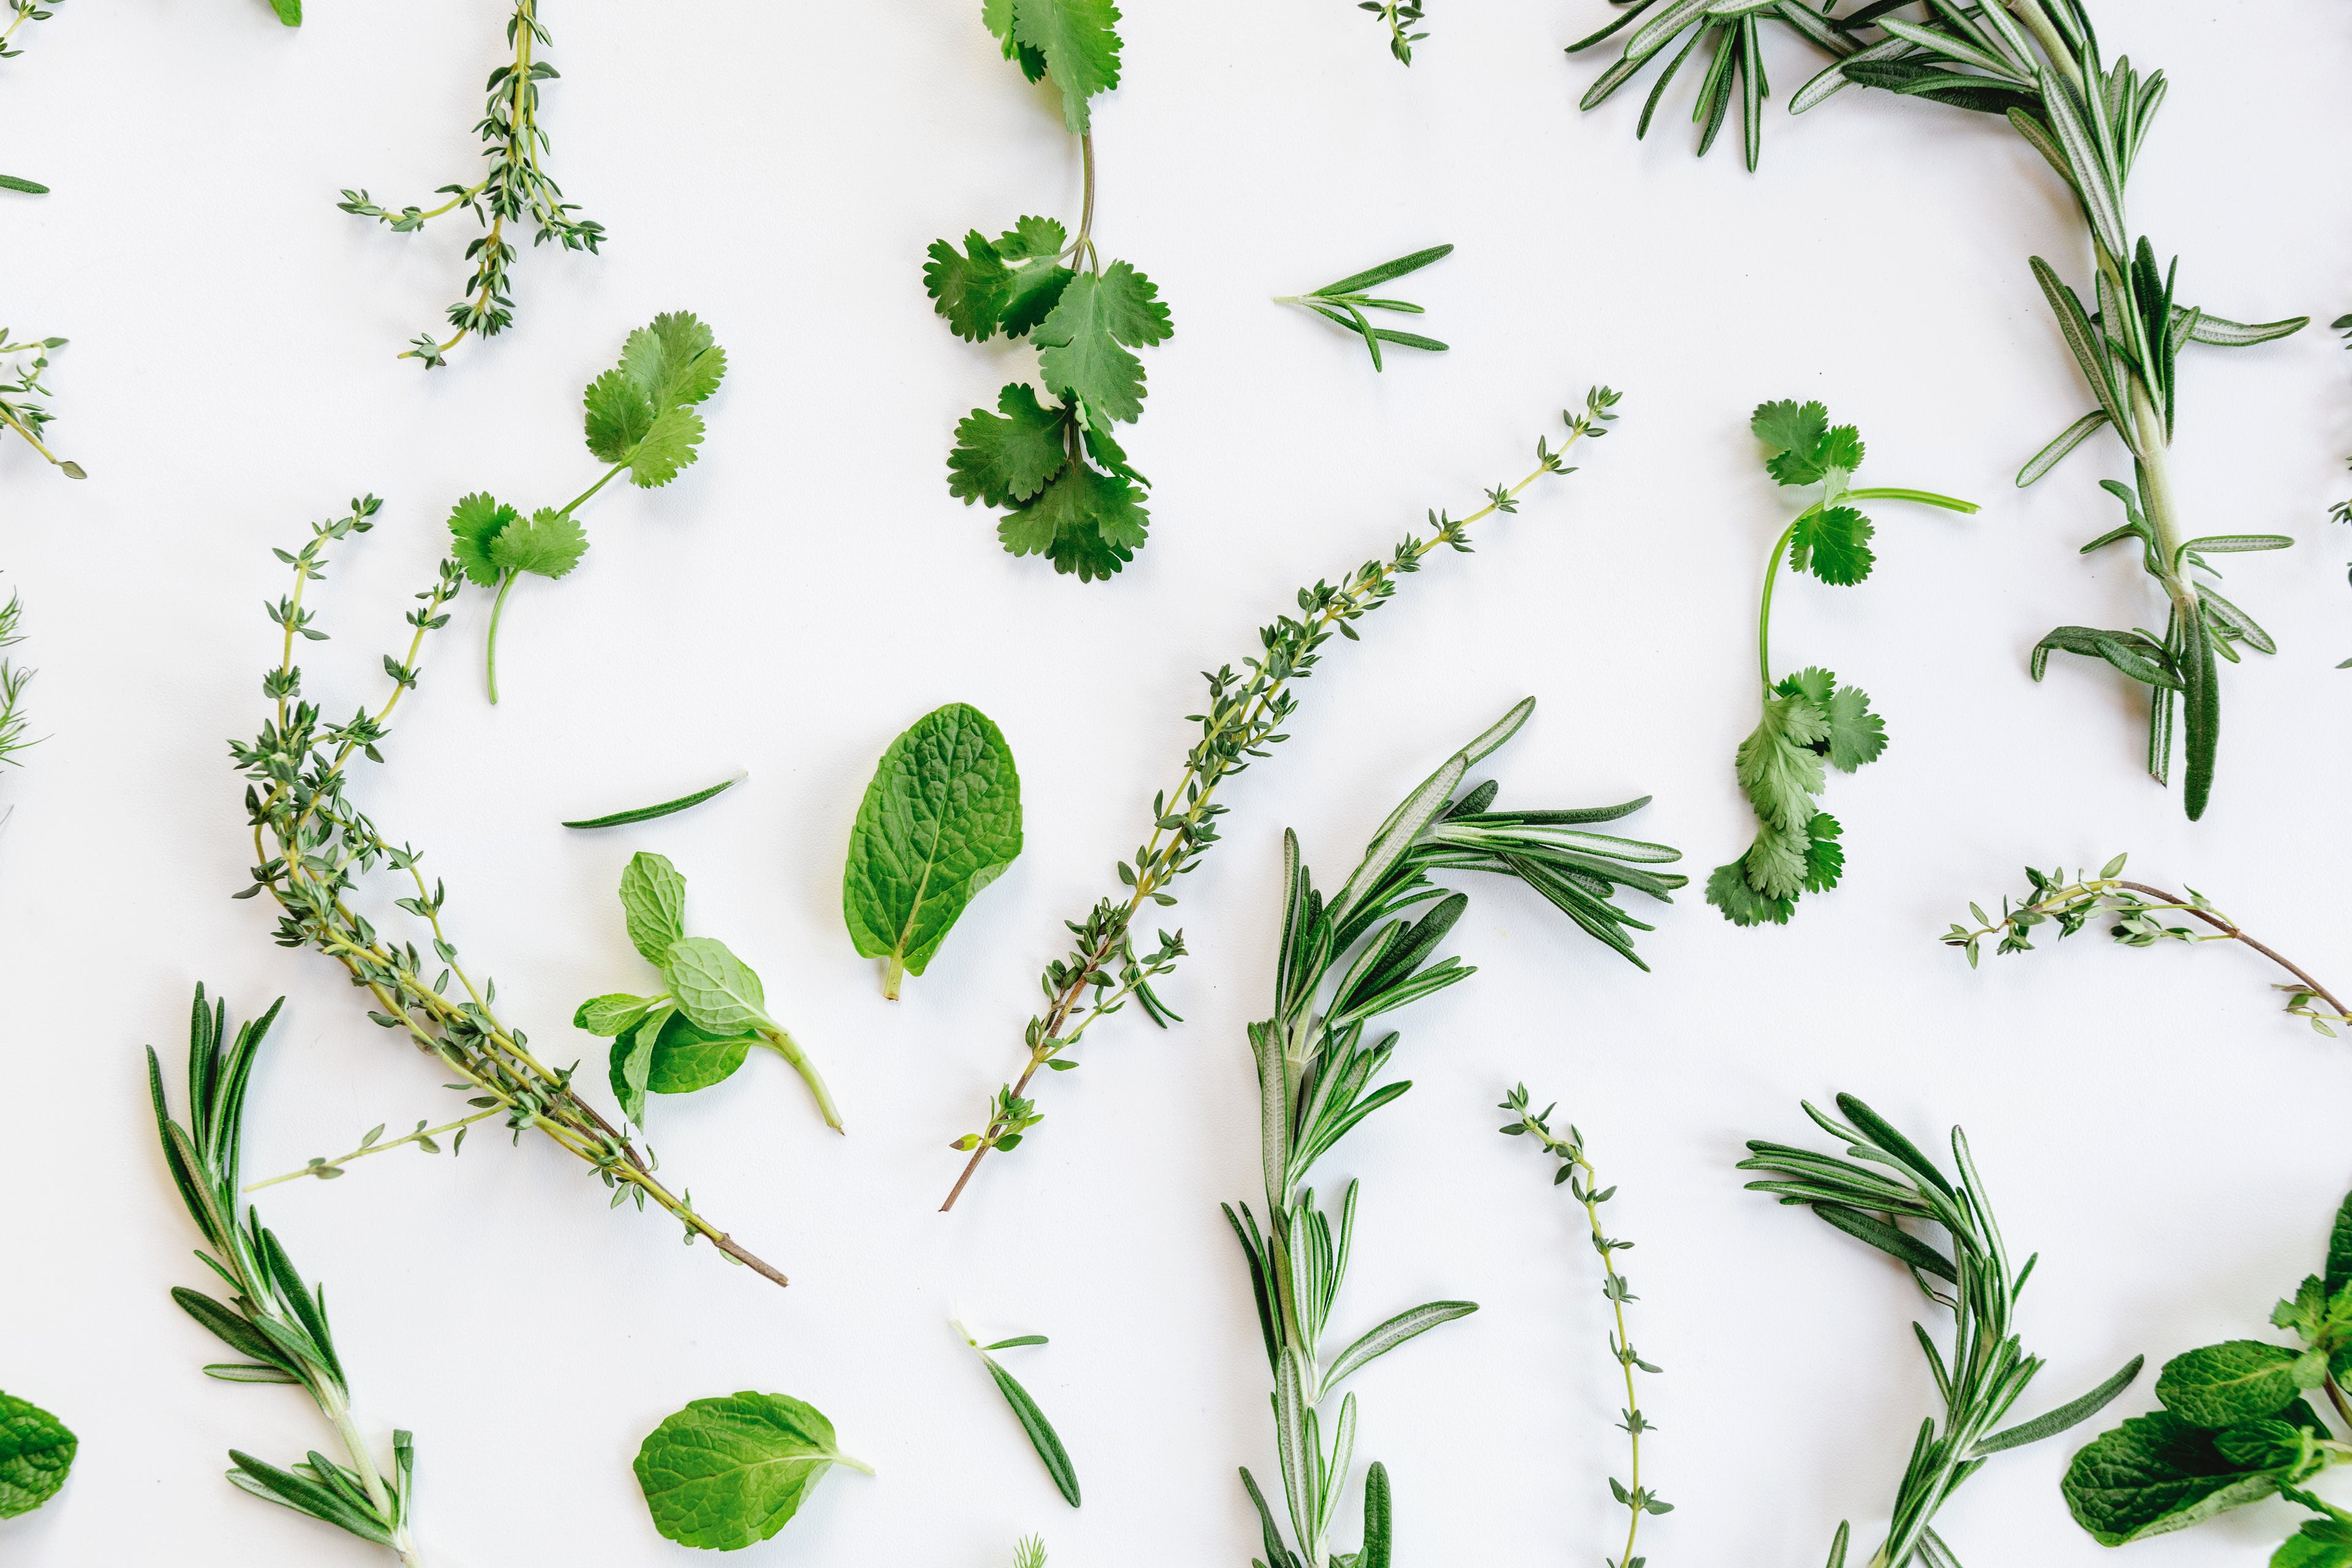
[(17, 183), (1079, 42), (35, 1452), (2238, 1380), (653, 897), (548, 545), (724, 1473), (940, 820), (1086, 337), (1040, 1431), (2155, 1473), (714, 988), (1009, 460), (475, 524)]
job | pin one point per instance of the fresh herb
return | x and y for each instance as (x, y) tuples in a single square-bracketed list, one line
[(1243, 722), (2038, 64), (272, 1319), (2342, 510), (1039, 1431), (1343, 962), (14, 679), (1057, 471), (29, 187), (667, 808), (1346, 301), (1808, 718), (940, 820), (1030, 1554), (21, 12), (1399, 17), (1890, 1180), (1577, 1173), (35, 1452), (713, 992), (516, 188), (18, 411), (312, 848), (723, 1473), (2235, 1429), (2137, 909), (642, 417)]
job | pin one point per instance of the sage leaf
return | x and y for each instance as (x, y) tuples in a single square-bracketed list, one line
[(35, 1452), (723, 1473), (653, 897), (2157, 1473), (940, 821), (714, 988), (2238, 1380)]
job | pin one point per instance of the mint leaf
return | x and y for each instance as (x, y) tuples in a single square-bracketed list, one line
[(2157, 1473), (35, 1452), (940, 821), (2320, 1543), (653, 897), (1086, 336), (1085, 522), (1856, 734), (970, 287), (723, 1473), (549, 544), (475, 524), (1080, 47), (1008, 459), (613, 1014), (2238, 1380), (715, 989), (631, 1059), (2339, 1249), (686, 1057)]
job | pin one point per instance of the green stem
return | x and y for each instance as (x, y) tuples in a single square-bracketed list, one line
[(336, 1405), (894, 973), (499, 608), (780, 1042), (1764, 614), (584, 497)]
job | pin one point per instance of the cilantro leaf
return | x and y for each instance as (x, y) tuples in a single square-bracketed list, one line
[(1034, 287), (1007, 461), (1842, 448), (1777, 765), (1833, 545), (1742, 905), (474, 523), (1792, 431), (1033, 237), (1079, 42), (1085, 338), (1775, 864), (640, 413), (1824, 855), (676, 360), (969, 287), (1085, 522), (1856, 734), (668, 446), (998, 15), (549, 544)]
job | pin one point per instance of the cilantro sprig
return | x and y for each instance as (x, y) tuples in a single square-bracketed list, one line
[(643, 418), (1810, 719), (1052, 465)]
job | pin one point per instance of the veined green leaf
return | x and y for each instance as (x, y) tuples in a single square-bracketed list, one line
[(725, 1473), (653, 899), (35, 1452), (715, 989), (1040, 1431)]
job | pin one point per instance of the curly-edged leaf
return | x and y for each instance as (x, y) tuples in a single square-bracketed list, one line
[(673, 362), (1824, 855), (1085, 338), (1040, 1431), (653, 899), (1087, 522), (724, 1473), (2072, 1414), (998, 15), (715, 989), (1856, 734), (1006, 459), (548, 545), (2157, 1473), (1080, 40), (940, 821), (1793, 433), (670, 446), (1777, 765), (1834, 544), (1777, 862), (35, 1452), (2237, 1380), (1379, 1341), (1035, 285), (1742, 905), (968, 286), (641, 413), (475, 524)]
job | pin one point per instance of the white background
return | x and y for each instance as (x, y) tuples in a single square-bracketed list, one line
[(2146, 1122)]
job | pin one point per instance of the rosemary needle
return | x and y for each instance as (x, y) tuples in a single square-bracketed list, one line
[(667, 807)]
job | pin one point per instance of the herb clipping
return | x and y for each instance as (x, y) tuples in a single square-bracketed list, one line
[(1057, 471), (1033, 1425), (35, 1452), (2038, 64), (1808, 718), (1988, 1370), (2137, 909), (1243, 721), (272, 1319), (1030, 1554), (1400, 16), (14, 679), (1343, 962), (716, 994), (940, 821), (20, 13), (516, 188), (2235, 1429), (313, 848), (642, 417), (1345, 302), (18, 411), (723, 1473), (1576, 1172), (667, 808), (23, 187)]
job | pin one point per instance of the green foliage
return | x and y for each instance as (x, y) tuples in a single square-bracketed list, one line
[(23, 187), (724, 1473), (1889, 1180), (20, 13), (1345, 300), (516, 188), (940, 820), (2235, 1429), (1399, 17), (1075, 41), (1808, 718), (667, 808), (1030, 1554), (35, 1452), (1025, 1410), (14, 679), (21, 364)]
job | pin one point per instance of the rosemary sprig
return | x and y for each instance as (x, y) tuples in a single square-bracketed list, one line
[(1988, 1370), (18, 411), (313, 845), (277, 1323), (2038, 64), (14, 679), (1400, 16), (515, 189), (1345, 302), (1246, 711), (1344, 961), (1577, 1173), (2137, 909)]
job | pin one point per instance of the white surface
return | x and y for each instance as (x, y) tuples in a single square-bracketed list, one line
[(2145, 1121)]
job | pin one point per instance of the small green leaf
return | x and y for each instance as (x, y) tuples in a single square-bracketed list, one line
[(653, 897), (724, 1473), (550, 545), (475, 524), (715, 989), (1040, 1431), (29, 187), (2238, 1380), (608, 1016), (2157, 1473), (35, 1452)]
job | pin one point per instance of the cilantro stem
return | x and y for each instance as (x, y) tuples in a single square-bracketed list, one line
[(497, 608), (1771, 576)]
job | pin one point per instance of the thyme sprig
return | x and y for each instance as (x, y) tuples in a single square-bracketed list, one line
[(14, 679), (1576, 1171), (1400, 16), (2138, 911), (20, 13), (1105, 968), (516, 188), (18, 411), (277, 1323), (2038, 64), (1889, 1180), (313, 845)]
